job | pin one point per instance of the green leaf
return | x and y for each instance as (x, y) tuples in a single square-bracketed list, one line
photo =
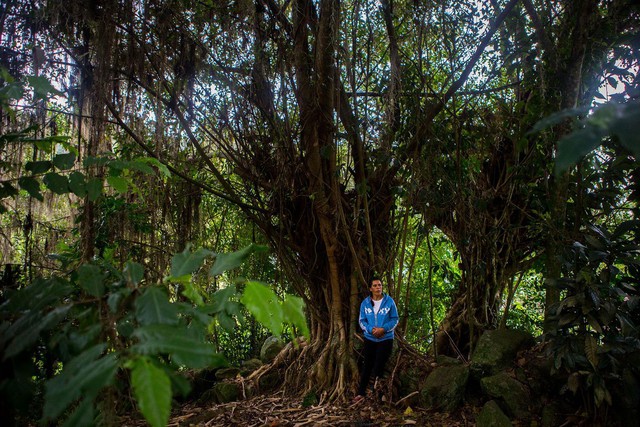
[(94, 189), (221, 298), (8, 190), (591, 350), (576, 145), (625, 127), (140, 166), (56, 183), (154, 307), (263, 303), (77, 184), (91, 279), (225, 262), (95, 161), (183, 345), (25, 331), (624, 228), (40, 294), (192, 291), (85, 375), (152, 390), (31, 186), (133, 273), (227, 322), (155, 162), (83, 415), (557, 118), (187, 262), (120, 184), (42, 87), (64, 161), (293, 310), (38, 167)]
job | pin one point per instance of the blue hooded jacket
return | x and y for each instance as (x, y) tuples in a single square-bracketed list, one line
[(387, 318)]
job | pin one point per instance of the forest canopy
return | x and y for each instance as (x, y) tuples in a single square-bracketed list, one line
[(181, 179)]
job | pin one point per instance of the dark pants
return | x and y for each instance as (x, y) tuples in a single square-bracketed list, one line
[(375, 355)]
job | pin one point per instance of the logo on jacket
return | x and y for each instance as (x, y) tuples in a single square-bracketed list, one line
[(384, 310), (368, 310)]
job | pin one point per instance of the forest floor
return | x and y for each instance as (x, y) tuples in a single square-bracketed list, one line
[(280, 411)]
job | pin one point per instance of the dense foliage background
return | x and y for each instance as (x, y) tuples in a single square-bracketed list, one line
[(162, 161)]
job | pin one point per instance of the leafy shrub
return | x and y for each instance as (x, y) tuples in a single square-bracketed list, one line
[(81, 332), (596, 323)]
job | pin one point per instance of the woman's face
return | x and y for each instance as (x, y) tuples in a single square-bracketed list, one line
[(376, 289)]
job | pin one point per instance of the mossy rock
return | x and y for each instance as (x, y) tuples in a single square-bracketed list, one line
[(445, 387), (492, 416), (270, 349), (248, 366), (513, 393), (270, 381), (227, 373), (496, 350), (443, 360), (226, 392)]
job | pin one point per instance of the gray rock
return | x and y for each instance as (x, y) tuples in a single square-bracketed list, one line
[(227, 373), (492, 416), (496, 350), (409, 381), (270, 349), (512, 392), (249, 366), (445, 387), (270, 381), (226, 392), (446, 360)]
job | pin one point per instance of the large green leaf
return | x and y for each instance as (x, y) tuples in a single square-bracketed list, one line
[(32, 186), (152, 390), (8, 190), (120, 184), (576, 145), (38, 295), (64, 161), (192, 291), (83, 415), (225, 262), (42, 87), (221, 298), (94, 189), (227, 322), (591, 350), (141, 166), (293, 310), (155, 162), (625, 126), (153, 307), (133, 273), (38, 167), (25, 332), (183, 345), (85, 375), (91, 279), (77, 184), (186, 262), (263, 303), (557, 118), (57, 183)]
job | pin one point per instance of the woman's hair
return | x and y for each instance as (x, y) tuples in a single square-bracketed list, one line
[(374, 277)]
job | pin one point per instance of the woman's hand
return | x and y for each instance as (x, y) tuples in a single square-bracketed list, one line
[(377, 332)]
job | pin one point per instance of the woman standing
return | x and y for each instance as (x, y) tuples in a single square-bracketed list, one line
[(378, 320)]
